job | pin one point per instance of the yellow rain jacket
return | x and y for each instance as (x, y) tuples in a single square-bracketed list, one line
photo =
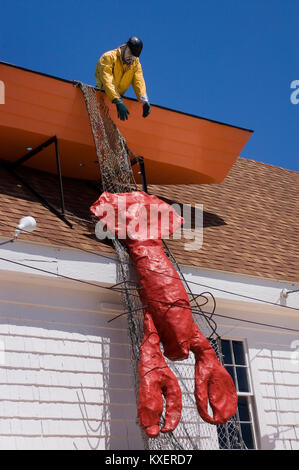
[(115, 77)]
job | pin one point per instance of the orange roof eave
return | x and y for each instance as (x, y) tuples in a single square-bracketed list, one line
[(178, 148)]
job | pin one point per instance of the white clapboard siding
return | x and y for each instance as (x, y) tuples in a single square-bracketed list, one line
[(279, 374), (65, 379), (274, 373)]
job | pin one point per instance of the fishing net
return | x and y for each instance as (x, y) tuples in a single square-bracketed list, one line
[(192, 433)]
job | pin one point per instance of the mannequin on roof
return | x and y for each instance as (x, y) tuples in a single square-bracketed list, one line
[(118, 69)]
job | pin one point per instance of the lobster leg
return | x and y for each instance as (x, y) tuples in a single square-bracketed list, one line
[(213, 384), (155, 380)]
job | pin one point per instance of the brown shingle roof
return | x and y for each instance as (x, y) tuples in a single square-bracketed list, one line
[(251, 223)]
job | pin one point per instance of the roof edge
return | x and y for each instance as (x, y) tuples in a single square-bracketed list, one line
[(126, 97)]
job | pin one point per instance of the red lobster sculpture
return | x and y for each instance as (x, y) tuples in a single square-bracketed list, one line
[(141, 221)]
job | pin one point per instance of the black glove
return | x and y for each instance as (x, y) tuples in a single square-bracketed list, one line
[(122, 111), (146, 109)]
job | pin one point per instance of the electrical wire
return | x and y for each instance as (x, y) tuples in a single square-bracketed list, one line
[(163, 274), (151, 300), (212, 324), (6, 242), (57, 275), (257, 323)]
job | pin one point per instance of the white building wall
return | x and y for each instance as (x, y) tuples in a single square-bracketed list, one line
[(66, 380), (275, 374)]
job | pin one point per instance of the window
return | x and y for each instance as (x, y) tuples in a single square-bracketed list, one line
[(235, 362)]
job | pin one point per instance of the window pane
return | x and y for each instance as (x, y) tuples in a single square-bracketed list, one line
[(247, 435), (226, 352), (239, 354), (243, 409), (230, 370), (243, 385)]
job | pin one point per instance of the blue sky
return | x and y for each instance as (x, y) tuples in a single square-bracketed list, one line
[(232, 61)]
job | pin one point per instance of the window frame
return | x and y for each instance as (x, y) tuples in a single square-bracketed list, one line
[(250, 394)]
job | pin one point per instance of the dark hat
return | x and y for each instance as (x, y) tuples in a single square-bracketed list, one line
[(135, 44)]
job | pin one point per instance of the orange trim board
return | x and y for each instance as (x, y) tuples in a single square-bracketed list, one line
[(178, 148)]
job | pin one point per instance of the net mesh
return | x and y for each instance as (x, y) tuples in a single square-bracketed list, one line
[(192, 433)]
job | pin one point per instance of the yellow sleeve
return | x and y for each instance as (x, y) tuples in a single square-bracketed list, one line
[(104, 75), (138, 82)]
